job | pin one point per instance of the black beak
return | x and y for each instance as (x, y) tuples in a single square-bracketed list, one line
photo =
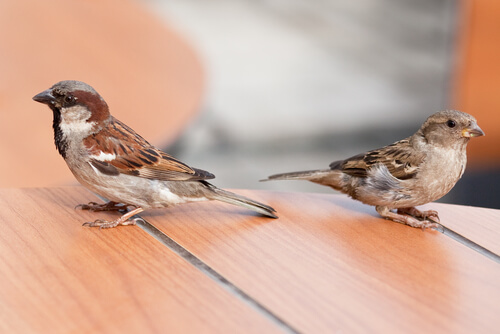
[(45, 97)]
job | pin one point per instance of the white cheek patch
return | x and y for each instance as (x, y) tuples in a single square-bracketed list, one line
[(104, 156), (74, 120), (76, 127)]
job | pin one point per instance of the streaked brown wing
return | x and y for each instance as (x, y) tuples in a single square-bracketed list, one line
[(118, 149), (400, 158)]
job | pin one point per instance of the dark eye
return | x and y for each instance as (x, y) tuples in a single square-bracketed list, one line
[(451, 123), (69, 99)]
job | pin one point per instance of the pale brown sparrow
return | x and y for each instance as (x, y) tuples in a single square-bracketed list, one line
[(413, 171), (113, 161)]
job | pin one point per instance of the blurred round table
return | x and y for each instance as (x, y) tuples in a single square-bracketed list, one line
[(149, 76)]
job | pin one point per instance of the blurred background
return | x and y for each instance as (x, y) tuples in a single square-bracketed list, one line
[(295, 85), (245, 89)]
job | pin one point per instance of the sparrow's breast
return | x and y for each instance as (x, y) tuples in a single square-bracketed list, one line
[(439, 173)]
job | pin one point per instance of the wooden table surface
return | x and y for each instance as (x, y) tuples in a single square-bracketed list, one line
[(327, 265)]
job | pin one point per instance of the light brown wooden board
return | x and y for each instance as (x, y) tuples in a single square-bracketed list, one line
[(60, 277), (330, 264), (480, 225)]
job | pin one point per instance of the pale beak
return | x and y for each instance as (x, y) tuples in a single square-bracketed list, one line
[(472, 131)]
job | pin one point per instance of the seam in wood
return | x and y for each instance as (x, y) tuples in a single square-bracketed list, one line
[(212, 274), (467, 242)]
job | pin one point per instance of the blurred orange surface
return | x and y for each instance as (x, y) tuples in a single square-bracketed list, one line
[(478, 77)]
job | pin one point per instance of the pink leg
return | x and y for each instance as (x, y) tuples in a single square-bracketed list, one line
[(413, 211), (123, 220), (406, 219)]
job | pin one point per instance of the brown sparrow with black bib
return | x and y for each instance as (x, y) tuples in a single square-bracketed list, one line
[(113, 161)]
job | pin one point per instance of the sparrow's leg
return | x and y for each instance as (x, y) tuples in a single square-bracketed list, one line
[(110, 206), (413, 211), (123, 220), (405, 219)]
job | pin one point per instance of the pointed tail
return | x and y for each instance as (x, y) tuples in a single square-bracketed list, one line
[(310, 175), (232, 198)]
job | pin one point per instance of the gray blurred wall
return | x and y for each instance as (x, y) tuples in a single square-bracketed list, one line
[(297, 84)]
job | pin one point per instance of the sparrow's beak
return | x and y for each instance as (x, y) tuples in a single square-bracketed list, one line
[(472, 131), (45, 97)]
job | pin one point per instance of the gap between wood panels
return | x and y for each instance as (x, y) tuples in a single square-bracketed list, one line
[(214, 275), (468, 243)]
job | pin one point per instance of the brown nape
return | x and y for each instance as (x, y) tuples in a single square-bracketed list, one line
[(95, 103)]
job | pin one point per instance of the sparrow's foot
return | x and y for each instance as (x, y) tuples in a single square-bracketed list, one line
[(101, 223), (408, 220), (123, 220), (413, 211), (110, 206)]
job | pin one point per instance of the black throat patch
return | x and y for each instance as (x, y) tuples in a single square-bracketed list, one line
[(61, 143)]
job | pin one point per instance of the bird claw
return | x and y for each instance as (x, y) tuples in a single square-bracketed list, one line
[(87, 206), (432, 214), (423, 224), (101, 223), (410, 217), (412, 211), (123, 220), (414, 222)]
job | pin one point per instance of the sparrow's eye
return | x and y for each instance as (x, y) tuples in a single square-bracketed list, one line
[(69, 99), (451, 123)]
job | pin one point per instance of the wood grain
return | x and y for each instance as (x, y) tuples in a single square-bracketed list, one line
[(60, 277), (329, 264), (148, 74), (480, 225)]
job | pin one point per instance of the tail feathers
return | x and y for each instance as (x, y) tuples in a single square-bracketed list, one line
[(310, 175), (232, 198)]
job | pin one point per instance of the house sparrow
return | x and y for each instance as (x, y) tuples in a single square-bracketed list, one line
[(113, 161), (413, 171)]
